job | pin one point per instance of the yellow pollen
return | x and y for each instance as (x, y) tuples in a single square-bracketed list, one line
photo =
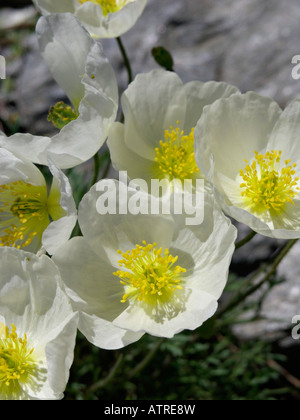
[(17, 363), (107, 6), (151, 277), (265, 186), (23, 213), (175, 156)]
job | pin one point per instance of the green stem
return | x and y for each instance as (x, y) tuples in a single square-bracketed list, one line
[(146, 360), (126, 59), (103, 382), (245, 240), (97, 164), (99, 161), (271, 270), (107, 167)]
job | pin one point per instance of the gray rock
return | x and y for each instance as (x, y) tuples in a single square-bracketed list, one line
[(249, 43)]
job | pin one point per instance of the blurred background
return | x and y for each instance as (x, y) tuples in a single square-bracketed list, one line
[(249, 353)]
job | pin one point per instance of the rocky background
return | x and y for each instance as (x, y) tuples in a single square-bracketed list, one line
[(249, 43)]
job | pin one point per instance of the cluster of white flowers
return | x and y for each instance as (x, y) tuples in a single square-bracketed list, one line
[(128, 274)]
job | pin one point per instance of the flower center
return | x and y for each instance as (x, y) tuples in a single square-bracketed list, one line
[(23, 213), (265, 186), (17, 363), (175, 156), (151, 278), (107, 6), (61, 115)]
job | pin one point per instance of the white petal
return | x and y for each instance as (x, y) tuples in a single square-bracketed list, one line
[(99, 75), (91, 16), (125, 159), (15, 167), (286, 134), (287, 224), (33, 148), (201, 94), (80, 67), (121, 231), (60, 355), (59, 231), (31, 298), (195, 309), (95, 292), (104, 334), (151, 104), (64, 44), (114, 24), (81, 139), (208, 258), (55, 6), (232, 129), (89, 280), (264, 227), (92, 87)]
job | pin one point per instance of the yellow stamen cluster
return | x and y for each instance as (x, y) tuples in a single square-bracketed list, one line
[(107, 6), (23, 213), (17, 364), (175, 156), (265, 186), (152, 277)]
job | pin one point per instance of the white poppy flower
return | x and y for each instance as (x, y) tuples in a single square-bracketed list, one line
[(37, 328), (77, 63), (102, 18), (249, 148), (30, 216), (132, 274), (157, 139)]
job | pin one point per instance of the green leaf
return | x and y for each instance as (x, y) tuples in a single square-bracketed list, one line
[(163, 58)]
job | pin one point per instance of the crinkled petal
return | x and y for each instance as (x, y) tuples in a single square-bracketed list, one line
[(201, 94), (286, 135), (64, 44), (124, 158), (60, 229), (104, 334), (116, 230), (95, 293), (194, 309), (114, 24), (60, 355), (32, 299), (151, 104), (33, 148), (91, 15), (232, 129), (56, 6), (210, 249), (14, 167)]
